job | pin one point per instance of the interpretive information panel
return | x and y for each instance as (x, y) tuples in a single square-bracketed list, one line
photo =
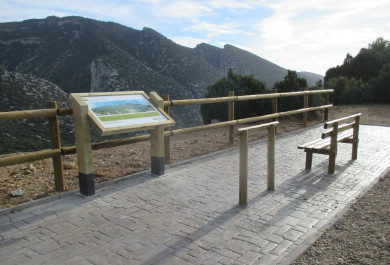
[(115, 111), (119, 112)]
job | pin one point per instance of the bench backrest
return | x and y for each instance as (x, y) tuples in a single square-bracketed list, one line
[(351, 118), (342, 124)]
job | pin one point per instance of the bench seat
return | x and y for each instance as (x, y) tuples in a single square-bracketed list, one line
[(325, 143)]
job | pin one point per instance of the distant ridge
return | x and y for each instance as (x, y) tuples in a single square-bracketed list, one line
[(83, 55)]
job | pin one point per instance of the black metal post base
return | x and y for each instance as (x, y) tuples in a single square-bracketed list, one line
[(158, 165), (87, 184)]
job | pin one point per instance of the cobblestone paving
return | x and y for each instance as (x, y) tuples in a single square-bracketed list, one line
[(191, 214)]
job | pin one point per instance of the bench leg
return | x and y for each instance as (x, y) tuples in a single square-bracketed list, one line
[(354, 150), (332, 163), (309, 159), (355, 138)]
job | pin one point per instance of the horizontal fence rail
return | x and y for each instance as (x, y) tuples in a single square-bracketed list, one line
[(243, 121), (109, 144), (60, 151), (186, 102), (27, 114), (39, 155), (34, 114)]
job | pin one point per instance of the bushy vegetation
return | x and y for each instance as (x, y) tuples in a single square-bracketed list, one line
[(290, 83), (293, 83), (248, 85), (241, 85), (364, 78)]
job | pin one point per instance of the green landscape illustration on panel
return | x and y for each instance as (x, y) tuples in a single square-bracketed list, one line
[(128, 109)]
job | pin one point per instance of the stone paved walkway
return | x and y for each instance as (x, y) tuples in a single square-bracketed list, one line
[(191, 214)]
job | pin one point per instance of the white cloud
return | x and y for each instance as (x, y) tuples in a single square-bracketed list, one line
[(213, 30), (150, 1), (233, 4), (309, 36), (183, 10)]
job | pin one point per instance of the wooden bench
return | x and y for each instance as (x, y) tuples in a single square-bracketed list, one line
[(345, 130)]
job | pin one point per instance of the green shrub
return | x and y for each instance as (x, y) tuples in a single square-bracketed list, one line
[(290, 83), (349, 90), (241, 85)]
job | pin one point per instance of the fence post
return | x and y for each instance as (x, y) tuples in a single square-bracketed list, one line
[(157, 141), (231, 118), (271, 158), (167, 140), (326, 114), (55, 143), (275, 106), (243, 182), (305, 106)]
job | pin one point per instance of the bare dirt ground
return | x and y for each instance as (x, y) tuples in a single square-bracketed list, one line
[(361, 236), (354, 233)]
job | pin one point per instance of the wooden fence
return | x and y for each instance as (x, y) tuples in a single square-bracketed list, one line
[(52, 112)]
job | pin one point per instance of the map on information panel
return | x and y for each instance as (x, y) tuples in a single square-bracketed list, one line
[(114, 111), (119, 112)]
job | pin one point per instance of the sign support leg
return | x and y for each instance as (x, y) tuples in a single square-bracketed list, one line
[(84, 149), (157, 151), (157, 141)]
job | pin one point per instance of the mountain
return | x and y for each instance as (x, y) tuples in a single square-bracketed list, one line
[(246, 63), (25, 92), (84, 55), (311, 78), (241, 62)]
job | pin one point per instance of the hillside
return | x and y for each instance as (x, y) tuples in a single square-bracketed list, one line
[(82, 55), (25, 92)]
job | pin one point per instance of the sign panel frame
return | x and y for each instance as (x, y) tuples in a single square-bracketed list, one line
[(122, 112)]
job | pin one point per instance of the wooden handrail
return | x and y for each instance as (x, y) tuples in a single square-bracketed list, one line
[(185, 102), (64, 111), (259, 127), (39, 155), (109, 144), (27, 114), (281, 114)]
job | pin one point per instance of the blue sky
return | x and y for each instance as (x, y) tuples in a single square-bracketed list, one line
[(304, 35)]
